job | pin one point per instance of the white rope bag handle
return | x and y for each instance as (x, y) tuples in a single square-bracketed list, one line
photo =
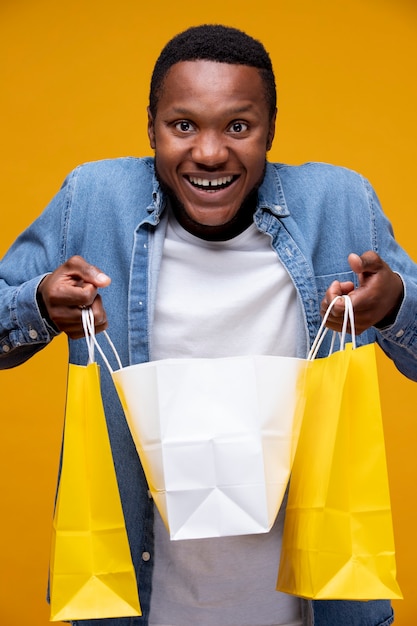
[(348, 316), (92, 343), (90, 337)]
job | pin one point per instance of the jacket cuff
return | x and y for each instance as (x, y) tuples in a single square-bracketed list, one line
[(29, 327), (404, 328)]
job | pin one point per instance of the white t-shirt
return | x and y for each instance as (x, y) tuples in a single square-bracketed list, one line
[(220, 299)]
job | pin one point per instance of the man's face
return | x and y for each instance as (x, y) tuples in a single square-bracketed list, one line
[(210, 135)]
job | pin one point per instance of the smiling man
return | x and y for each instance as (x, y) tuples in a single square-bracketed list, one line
[(212, 251), (210, 132)]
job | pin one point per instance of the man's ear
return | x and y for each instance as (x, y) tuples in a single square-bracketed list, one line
[(151, 129), (271, 132)]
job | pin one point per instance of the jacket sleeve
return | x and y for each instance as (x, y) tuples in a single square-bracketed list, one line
[(39, 250), (398, 341)]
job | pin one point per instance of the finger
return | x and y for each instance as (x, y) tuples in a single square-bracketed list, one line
[(69, 318), (336, 289), (73, 284), (100, 316)]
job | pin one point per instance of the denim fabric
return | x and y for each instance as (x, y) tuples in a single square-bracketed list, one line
[(112, 213), (344, 613)]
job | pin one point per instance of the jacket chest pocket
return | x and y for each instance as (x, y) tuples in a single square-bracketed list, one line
[(324, 281)]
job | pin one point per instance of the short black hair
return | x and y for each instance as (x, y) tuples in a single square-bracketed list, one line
[(214, 42)]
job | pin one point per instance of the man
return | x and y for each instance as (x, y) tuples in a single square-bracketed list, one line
[(211, 252)]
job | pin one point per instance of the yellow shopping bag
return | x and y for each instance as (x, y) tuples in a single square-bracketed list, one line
[(91, 570), (338, 537)]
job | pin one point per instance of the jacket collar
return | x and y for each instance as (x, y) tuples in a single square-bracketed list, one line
[(270, 196)]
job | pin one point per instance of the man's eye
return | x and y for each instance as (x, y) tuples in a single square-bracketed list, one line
[(184, 126), (238, 127)]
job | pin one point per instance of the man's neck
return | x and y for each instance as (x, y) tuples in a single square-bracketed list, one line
[(242, 220)]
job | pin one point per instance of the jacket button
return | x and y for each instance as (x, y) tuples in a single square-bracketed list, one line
[(146, 556), (33, 334)]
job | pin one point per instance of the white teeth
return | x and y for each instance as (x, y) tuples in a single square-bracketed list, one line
[(205, 182)]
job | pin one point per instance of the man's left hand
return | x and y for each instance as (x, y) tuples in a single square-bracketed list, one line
[(376, 300)]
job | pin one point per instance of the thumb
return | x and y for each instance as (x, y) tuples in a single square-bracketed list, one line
[(88, 273), (356, 263), (99, 278), (366, 264)]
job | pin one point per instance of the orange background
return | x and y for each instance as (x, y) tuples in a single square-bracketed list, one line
[(75, 77)]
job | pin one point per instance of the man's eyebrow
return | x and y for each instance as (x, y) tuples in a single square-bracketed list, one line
[(231, 112)]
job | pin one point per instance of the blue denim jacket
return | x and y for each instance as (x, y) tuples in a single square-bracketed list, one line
[(112, 213)]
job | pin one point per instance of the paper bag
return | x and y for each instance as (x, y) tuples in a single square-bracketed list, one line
[(216, 438), (338, 536), (91, 571)]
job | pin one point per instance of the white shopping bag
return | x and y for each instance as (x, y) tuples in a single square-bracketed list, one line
[(216, 438)]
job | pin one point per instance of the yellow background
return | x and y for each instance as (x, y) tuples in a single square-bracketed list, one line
[(74, 85)]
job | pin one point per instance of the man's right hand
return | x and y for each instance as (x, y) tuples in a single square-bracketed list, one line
[(71, 287)]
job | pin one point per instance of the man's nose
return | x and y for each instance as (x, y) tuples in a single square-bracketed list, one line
[(210, 149)]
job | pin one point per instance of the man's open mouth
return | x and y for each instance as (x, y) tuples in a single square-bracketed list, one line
[(211, 184)]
